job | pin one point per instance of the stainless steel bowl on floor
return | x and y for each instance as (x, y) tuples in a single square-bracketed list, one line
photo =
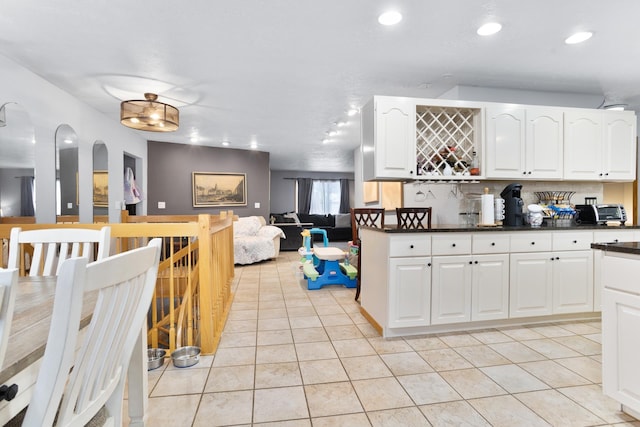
[(184, 357), (155, 357)]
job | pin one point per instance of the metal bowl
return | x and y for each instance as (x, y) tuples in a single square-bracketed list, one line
[(155, 357), (184, 357)]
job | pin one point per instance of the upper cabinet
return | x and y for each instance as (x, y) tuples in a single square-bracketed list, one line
[(405, 138), (388, 138), (432, 139), (600, 145), (524, 143)]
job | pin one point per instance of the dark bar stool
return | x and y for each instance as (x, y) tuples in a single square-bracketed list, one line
[(370, 217), (413, 217)]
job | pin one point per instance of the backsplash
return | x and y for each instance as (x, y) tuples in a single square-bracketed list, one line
[(449, 200)]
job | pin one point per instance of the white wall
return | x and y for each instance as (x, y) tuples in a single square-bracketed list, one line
[(48, 107)]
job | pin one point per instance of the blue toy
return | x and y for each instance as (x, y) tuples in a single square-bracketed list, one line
[(321, 265)]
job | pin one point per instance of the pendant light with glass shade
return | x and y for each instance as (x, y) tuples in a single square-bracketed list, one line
[(149, 114)]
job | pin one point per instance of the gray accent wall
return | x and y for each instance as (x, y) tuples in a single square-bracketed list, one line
[(170, 174)]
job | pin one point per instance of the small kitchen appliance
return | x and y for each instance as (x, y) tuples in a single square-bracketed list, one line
[(513, 205), (601, 214)]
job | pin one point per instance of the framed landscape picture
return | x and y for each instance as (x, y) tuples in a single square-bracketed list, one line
[(101, 189), (219, 189)]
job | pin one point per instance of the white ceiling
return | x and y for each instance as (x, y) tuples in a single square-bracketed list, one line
[(283, 72)]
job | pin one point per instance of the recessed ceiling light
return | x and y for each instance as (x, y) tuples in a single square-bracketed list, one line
[(68, 141), (333, 133), (578, 37), (194, 138), (254, 145), (226, 143), (352, 112), (324, 141), (391, 17), (489, 28), (341, 123)]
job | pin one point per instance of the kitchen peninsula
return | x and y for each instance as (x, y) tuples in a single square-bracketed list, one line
[(620, 322), (449, 278)]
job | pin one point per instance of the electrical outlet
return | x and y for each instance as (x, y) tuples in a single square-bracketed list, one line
[(162, 205), (256, 205), (70, 205)]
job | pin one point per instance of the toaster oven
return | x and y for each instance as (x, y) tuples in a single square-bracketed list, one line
[(600, 214)]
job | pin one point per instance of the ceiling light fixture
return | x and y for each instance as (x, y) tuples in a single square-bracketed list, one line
[(226, 143), (352, 112), (615, 107), (149, 114), (391, 17), (489, 28), (578, 37)]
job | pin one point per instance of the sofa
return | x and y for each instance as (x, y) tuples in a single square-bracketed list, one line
[(254, 240), (338, 227)]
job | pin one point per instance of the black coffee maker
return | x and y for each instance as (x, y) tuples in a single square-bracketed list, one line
[(513, 205)]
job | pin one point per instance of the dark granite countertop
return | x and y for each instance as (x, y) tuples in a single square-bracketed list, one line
[(465, 228), (622, 247)]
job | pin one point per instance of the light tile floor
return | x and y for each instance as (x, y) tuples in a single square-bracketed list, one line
[(293, 357)]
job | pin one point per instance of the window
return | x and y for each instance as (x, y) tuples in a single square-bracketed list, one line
[(325, 197)]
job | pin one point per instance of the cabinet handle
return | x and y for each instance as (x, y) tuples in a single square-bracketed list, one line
[(454, 245), (615, 241), (533, 243), (8, 392), (428, 264), (470, 262), (575, 241), (600, 174), (475, 262), (411, 246), (557, 257), (493, 243), (606, 174), (551, 258), (529, 173), (524, 173)]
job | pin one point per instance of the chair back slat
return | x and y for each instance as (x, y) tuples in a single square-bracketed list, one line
[(414, 217), (125, 284), (51, 247), (8, 283)]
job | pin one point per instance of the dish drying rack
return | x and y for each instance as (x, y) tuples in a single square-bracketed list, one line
[(556, 207)]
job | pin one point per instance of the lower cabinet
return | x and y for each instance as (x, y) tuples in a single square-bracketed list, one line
[(572, 282), (409, 292), (530, 284), (470, 287), (490, 287), (451, 289), (543, 283)]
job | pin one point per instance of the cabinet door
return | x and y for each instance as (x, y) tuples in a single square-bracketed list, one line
[(572, 282), (619, 147), (490, 287), (451, 290), (505, 142), (530, 284), (620, 347), (582, 144), (395, 145), (543, 147), (409, 292)]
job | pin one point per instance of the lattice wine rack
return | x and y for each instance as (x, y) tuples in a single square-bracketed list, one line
[(446, 141)]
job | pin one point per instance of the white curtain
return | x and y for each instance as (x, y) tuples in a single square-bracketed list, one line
[(325, 197)]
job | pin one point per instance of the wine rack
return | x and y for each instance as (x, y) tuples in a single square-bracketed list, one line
[(446, 141)]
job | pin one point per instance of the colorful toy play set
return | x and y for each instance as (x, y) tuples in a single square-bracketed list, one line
[(325, 265)]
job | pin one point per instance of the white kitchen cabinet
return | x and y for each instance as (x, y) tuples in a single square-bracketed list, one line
[(619, 146), (572, 282), (530, 284), (490, 287), (524, 143), (451, 289), (600, 145), (409, 292), (388, 138), (620, 326), (606, 236)]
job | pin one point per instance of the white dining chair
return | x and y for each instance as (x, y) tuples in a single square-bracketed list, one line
[(125, 284), (54, 245), (8, 282)]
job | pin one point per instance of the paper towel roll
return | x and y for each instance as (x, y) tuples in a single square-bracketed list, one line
[(487, 209)]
